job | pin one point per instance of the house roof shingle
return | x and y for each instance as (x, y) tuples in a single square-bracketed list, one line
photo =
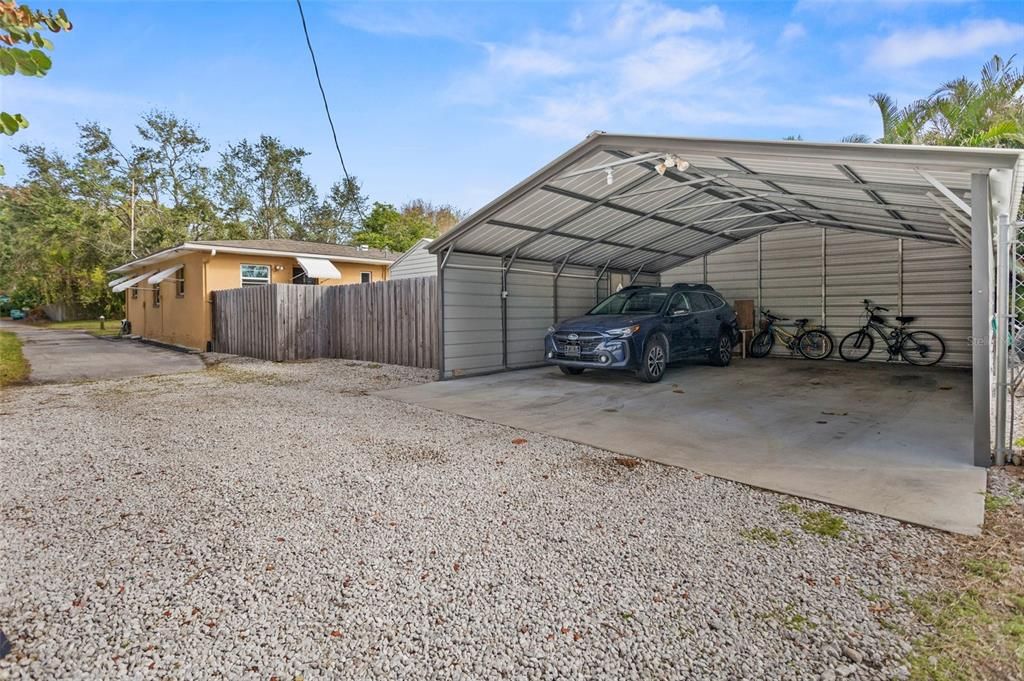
[(289, 247), (310, 247)]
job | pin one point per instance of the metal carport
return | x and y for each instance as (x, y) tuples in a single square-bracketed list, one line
[(815, 226)]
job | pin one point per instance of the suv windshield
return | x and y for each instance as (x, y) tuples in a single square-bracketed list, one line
[(636, 301)]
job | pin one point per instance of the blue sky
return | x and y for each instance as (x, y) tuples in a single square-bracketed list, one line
[(455, 102)]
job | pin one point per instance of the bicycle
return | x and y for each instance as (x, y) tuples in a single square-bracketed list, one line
[(811, 343), (922, 348)]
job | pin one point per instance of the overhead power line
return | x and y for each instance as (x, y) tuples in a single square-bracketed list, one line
[(323, 94)]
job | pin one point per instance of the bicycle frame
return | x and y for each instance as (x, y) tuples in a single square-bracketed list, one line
[(787, 338), (885, 334)]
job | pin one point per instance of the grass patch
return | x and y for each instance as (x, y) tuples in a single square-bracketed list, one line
[(764, 534), (995, 502), (822, 523), (14, 367), (975, 619), (987, 568), (111, 326)]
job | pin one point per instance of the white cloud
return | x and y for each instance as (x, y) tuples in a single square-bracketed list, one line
[(914, 46), (665, 65), (644, 19), (792, 32), (565, 83), (527, 61), (418, 21)]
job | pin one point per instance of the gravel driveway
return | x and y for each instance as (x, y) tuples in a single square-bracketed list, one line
[(264, 521)]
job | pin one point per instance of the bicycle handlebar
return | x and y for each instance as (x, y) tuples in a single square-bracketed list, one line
[(875, 308)]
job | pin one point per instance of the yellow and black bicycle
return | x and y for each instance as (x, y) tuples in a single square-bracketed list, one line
[(811, 343)]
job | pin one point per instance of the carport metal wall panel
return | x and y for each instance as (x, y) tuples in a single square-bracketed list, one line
[(690, 273), (576, 293), (471, 308), (933, 283), (937, 290), (859, 266), (733, 271), (791, 276), (530, 309)]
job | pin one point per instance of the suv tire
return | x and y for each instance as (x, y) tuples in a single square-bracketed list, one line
[(721, 352), (653, 360), (572, 371)]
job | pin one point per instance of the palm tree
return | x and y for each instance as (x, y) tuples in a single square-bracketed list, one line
[(987, 113), (901, 126)]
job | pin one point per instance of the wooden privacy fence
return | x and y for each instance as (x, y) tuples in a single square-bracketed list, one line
[(392, 322)]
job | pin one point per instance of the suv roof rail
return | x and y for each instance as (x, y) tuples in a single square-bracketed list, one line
[(699, 287)]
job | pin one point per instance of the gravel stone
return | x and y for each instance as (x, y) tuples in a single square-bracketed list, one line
[(261, 520)]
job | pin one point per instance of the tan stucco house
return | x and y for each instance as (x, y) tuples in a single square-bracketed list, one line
[(168, 293)]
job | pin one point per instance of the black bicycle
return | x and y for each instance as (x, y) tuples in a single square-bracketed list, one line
[(922, 348), (811, 343)]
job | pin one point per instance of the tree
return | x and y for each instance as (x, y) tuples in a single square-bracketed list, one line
[(263, 184), (986, 113), (335, 219), (443, 217), (388, 228), (173, 160), (19, 25)]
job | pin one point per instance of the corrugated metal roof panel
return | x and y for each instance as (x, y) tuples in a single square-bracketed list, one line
[(844, 182)]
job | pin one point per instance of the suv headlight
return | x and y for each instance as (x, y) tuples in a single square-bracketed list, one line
[(624, 333)]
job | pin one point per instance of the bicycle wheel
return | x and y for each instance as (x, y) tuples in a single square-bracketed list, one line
[(815, 344), (856, 346), (922, 348), (762, 343)]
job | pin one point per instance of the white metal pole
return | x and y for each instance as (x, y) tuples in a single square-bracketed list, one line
[(1002, 332), (981, 320)]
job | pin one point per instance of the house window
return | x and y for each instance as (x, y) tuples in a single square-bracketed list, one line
[(365, 277), (156, 295), (179, 283), (135, 291), (299, 276), (255, 275)]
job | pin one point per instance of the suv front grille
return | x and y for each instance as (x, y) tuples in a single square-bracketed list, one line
[(587, 341)]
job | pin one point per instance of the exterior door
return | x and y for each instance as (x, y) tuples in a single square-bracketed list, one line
[(707, 325), (683, 327)]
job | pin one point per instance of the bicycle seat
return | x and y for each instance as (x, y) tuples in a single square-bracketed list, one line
[(800, 322), (905, 320)]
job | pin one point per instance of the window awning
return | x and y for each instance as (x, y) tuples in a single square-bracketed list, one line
[(163, 274), (119, 280), (319, 268), (128, 283)]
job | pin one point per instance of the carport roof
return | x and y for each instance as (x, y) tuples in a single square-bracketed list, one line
[(603, 204)]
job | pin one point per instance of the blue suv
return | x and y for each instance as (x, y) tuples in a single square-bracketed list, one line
[(643, 328)]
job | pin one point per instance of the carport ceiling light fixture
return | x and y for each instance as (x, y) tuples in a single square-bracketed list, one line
[(672, 161)]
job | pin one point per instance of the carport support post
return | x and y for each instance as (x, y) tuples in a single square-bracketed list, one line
[(981, 259)]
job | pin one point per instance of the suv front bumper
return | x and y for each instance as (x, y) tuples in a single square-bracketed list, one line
[(611, 353)]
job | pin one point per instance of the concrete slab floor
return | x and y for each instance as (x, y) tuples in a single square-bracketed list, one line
[(891, 439)]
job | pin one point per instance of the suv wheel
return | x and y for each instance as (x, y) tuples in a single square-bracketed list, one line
[(571, 371), (654, 360), (721, 353)]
